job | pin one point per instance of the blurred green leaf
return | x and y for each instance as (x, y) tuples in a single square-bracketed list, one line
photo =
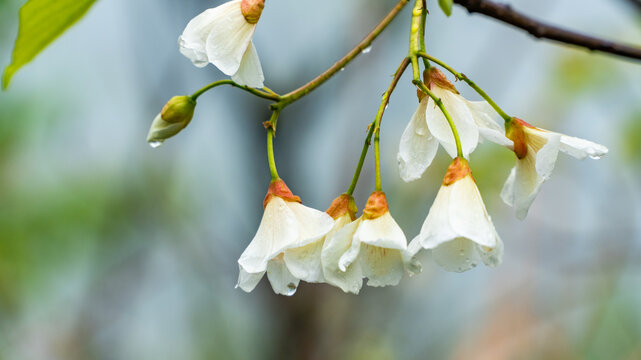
[(446, 6), (41, 22), (631, 138)]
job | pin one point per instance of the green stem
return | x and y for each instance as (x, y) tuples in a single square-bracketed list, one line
[(271, 126), (426, 63), (462, 77), (439, 103), (373, 127), (340, 64), (270, 96)]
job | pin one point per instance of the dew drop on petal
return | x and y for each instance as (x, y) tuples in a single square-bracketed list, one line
[(420, 131), (367, 50), (155, 144), (595, 156)]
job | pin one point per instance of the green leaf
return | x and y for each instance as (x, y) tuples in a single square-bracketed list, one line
[(446, 6), (41, 22)]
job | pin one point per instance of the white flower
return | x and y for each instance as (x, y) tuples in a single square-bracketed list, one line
[(458, 229), (536, 151), (371, 247), (428, 127), (286, 225), (223, 36)]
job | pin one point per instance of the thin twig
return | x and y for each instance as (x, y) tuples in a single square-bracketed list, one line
[(542, 30)]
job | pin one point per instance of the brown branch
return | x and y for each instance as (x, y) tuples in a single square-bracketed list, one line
[(541, 30)]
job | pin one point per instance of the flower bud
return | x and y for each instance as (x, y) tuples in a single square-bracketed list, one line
[(434, 76), (252, 9), (175, 116)]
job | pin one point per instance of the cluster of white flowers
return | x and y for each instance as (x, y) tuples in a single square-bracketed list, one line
[(295, 242)]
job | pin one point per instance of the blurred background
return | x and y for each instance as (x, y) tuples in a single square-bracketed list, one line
[(110, 249)]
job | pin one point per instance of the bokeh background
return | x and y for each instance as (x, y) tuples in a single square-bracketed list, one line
[(110, 249)]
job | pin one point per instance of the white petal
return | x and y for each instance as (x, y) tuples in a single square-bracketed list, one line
[(278, 230), (417, 147), (312, 224), (382, 232), (345, 237), (250, 72), (305, 262), (463, 120), (282, 281), (507, 194), (248, 281), (484, 117), (457, 255), (437, 228), (467, 213), (492, 256), (228, 38), (193, 39), (546, 156), (381, 266), (349, 278), (580, 148)]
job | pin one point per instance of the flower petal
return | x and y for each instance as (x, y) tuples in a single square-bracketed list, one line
[(278, 230), (489, 129), (192, 41), (250, 72), (382, 232), (381, 266), (417, 147), (228, 38), (437, 228), (467, 213), (282, 281), (581, 148), (349, 277), (248, 281), (492, 256), (457, 255), (546, 156), (507, 193), (312, 224), (462, 117), (345, 238), (305, 262)]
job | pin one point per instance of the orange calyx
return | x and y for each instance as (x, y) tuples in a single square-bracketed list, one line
[(458, 169), (376, 206), (343, 204), (252, 9), (515, 131), (434, 76), (280, 189)]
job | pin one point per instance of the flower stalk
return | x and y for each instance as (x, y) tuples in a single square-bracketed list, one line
[(270, 95), (271, 128)]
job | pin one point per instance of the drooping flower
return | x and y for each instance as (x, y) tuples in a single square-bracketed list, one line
[(370, 246), (174, 116), (223, 36), (536, 151), (458, 229), (428, 127), (286, 225)]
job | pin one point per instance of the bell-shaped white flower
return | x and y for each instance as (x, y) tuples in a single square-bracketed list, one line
[(371, 246), (286, 225), (223, 36), (458, 229), (536, 152), (429, 127)]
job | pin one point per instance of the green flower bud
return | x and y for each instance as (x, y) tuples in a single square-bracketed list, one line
[(175, 116)]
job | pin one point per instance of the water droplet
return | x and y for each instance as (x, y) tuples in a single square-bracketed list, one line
[(420, 131), (291, 286), (366, 50), (342, 69), (595, 156), (386, 106), (155, 144)]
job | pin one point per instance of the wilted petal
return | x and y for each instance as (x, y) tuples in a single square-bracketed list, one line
[(457, 255), (250, 72), (228, 38), (248, 281), (278, 231), (381, 266), (581, 148), (417, 147), (282, 281), (305, 262), (463, 120)]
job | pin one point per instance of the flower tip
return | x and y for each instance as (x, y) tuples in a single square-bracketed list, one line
[(280, 189), (252, 10), (343, 204), (376, 206), (458, 169)]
